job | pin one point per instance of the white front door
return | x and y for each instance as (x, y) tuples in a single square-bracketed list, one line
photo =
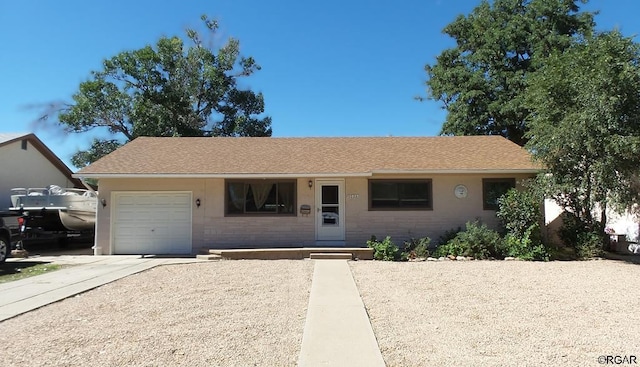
[(330, 210)]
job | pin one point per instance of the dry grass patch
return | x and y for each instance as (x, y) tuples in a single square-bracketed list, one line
[(15, 270), (225, 313), (497, 313)]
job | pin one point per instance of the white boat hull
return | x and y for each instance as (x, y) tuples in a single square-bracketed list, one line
[(57, 209), (77, 220)]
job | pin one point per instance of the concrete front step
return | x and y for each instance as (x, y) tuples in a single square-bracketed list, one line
[(361, 253), (332, 256), (208, 257)]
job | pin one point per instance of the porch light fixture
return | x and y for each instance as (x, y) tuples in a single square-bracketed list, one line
[(310, 183), (198, 202), (103, 202)]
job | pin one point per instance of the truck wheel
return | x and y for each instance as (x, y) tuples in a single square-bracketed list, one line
[(5, 249)]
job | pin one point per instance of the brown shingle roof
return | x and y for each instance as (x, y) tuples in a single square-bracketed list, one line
[(311, 156)]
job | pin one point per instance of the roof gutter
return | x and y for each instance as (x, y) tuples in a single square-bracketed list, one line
[(454, 171), (85, 184), (302, 174), (219, 175)]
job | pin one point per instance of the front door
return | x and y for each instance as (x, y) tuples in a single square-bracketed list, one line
[(330, 210)]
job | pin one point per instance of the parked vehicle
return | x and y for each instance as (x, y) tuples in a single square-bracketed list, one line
[(57, 209), (11, 229)]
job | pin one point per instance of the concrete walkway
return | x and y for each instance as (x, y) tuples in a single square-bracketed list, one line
[(87, 272), (337, 331)]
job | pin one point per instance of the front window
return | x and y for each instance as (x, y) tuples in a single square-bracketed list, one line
[(493, 189), (400, 195), (260, 197)]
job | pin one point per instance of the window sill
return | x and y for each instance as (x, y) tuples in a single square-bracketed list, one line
[(258, 215), (400, 209)]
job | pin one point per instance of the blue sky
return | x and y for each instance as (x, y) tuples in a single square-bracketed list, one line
[(329, 68)]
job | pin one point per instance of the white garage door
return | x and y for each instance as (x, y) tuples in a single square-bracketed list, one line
[(152, 223)]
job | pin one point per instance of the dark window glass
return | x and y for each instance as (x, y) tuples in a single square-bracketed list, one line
[(329, 194), (400, 194), (236, 197), (493, 189), (286, 196), (260, 197), (330, 215), (24, 144)]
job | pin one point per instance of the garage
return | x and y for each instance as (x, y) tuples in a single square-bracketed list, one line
[(151, 222)]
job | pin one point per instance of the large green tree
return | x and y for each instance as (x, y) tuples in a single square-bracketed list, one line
[(172, 89), (481, 82), (585, 125)]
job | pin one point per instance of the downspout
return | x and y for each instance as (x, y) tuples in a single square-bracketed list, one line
[(97, 250), (87, 186)]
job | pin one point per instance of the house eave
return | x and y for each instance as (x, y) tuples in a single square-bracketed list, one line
[(217, 175), (302, 174), (456, 171)]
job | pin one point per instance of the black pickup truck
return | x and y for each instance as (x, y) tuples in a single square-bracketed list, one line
[(11, 229)]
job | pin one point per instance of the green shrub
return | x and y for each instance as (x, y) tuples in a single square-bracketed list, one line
[(415, 248), (520, 213), (588, 245), (520, 210), (385, 250), (448, 236), (571, 229), (524, 247), (576, 234), (450, 248), (477, 241)]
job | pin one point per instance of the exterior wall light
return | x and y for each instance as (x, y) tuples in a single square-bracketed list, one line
[(198, 202), (103, 202), (310, 183)]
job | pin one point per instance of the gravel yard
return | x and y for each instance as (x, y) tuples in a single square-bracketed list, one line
[(498, 313), (252, 313), (223, 313)]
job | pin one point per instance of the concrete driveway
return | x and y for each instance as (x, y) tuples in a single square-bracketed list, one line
[(84, 273)]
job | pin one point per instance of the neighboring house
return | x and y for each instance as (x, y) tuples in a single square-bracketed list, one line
[(26, 162), (180, 195), (627, 223)]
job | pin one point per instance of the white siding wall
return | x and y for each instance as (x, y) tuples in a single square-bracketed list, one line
[(26, 168)]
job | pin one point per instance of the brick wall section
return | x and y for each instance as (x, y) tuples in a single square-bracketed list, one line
[(109, 186), (212, 229), (448, 211), (255, 231)]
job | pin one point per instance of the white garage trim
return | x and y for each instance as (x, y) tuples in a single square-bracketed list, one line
[(151, 222)]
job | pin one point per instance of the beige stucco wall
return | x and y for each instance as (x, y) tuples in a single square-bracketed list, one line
[(108, 186), (26, 168), (252, 231), (448, 212), (211, 229)]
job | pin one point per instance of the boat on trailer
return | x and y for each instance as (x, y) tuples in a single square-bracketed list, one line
[(57, 209)]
